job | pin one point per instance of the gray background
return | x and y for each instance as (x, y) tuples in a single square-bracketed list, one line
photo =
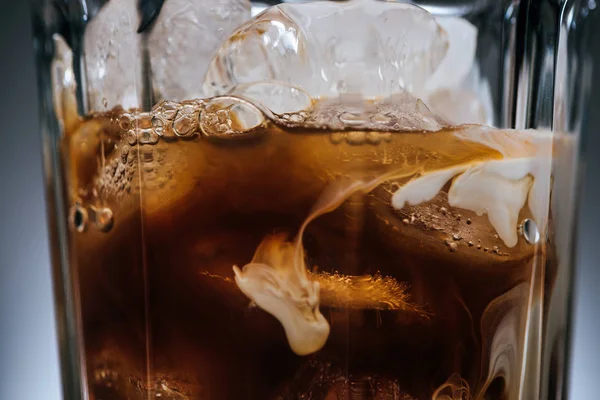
[(28, 356)]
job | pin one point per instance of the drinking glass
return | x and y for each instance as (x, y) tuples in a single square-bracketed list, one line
[(312, 199)]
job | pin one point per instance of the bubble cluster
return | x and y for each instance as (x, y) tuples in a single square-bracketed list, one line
[(399, 113), (116, 177), (356, 122), (172, 120), (80, 217)]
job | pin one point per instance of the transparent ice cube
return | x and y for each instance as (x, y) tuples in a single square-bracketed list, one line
[(460, 57), (369, 47), (183, 40), (112, 57), (63, 81), (454, 91)]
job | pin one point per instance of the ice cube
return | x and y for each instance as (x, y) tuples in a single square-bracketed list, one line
[(112, 57), (63, 84), (454, 91), (460, 57), (278, 97), (183, 40), (327, 48), (458, 106)]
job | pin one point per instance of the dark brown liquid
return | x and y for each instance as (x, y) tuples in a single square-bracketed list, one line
[(162, 315)]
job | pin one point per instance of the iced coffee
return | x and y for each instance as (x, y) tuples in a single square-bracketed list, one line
[(307, 217)]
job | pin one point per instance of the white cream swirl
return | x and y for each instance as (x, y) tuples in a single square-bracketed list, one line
[(498, 188)]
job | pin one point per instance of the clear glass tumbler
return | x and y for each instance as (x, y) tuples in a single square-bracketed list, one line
[(312, 199)]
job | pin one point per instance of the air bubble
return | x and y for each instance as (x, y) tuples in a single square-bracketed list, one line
[(124, 153), (296, 118), (125, 122), (229, 117), (158, 125), (337, 137), (120, 170), (147, 156), (147, 136), (131, 137), (222, 116), (103, 218), (78, 218), (144, 121), (380, 119), (356, 137), (530, 231), (349, 118), (185, 123), (168, 109), (373, 137)]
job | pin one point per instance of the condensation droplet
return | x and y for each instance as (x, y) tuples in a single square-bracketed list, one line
[(530, 231), (78, 218)]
